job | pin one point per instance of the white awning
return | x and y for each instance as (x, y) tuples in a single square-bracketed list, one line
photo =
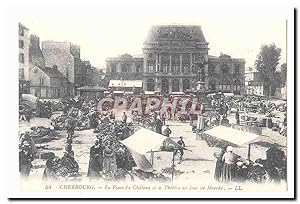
[(177, 93), (144, 140), (118, 92), (149, 92), (237, 137), (128, 92), (228, 94), (126, 83), (141, 142)]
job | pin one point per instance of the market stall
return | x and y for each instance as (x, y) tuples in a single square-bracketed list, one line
[(141, 142), (233, 137)]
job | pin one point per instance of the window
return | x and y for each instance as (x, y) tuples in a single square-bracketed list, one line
[(138, 68), (165, 68), (21, 58), (175, 85), (237, 69), (21, 31), (186, 84), (212, 69), (113, 68), (41, 81), (225, 68), (125, 68), (21, 43), (150, 85), (150, 68), (21, 73)]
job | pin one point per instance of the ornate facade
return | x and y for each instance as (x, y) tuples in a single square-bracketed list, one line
[(175, 59)]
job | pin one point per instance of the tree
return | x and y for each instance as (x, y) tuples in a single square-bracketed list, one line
[(266, 63)]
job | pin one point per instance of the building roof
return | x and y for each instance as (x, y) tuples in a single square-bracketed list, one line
[(21, 25), (92, 88), (126, 83), (52, 72), (175, 32)]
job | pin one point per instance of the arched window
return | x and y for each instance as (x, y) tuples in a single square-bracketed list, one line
[(165, 86), (150, 85), (186, 84), (175, 85), (237, 85), (212, 85), (225, 68), (225, 85)]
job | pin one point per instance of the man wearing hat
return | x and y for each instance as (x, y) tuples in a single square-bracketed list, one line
[(182, 144), (167, 131), (25, 158)]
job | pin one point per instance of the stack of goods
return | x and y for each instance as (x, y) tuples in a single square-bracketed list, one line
[(44, 109), (41, 134), (212, 141), (149, 176), (59, 122)]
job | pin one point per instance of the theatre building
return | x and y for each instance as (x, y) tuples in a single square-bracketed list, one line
[(175, 60)]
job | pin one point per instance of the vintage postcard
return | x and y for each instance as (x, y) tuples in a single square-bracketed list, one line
[(116, 101)]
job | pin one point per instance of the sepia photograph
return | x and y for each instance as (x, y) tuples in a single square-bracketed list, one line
[(179, 103)]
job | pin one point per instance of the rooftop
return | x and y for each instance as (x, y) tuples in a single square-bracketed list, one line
[(175, 32), (52, 72)]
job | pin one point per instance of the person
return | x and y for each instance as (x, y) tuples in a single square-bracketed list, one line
[(25, 159), (155, 117), (237, 117), (225, 121), (284, 126), (26, 137), (22, 112), (229, 167), (70, 126), (167, 131), (163, 118), (158, 126), (202, 109), (182, 144), (95, 163), (121, 158), (124, 117), (69, 160), (219, 165), (49, 172), (191, 119), (109, 159)]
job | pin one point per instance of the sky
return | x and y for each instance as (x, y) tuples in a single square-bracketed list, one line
[(102, 36)]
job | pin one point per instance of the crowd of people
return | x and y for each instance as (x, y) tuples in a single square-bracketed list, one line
[(109, 158), (232, 168)]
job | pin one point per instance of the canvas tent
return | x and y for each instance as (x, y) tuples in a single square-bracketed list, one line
[(141, 142), (236, 137)]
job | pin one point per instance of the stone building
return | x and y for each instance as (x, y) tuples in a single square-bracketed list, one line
[(253, 84), (175, 60), (24, 84), (226, 74), (48, 82), (36, 57), (66, 57)]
